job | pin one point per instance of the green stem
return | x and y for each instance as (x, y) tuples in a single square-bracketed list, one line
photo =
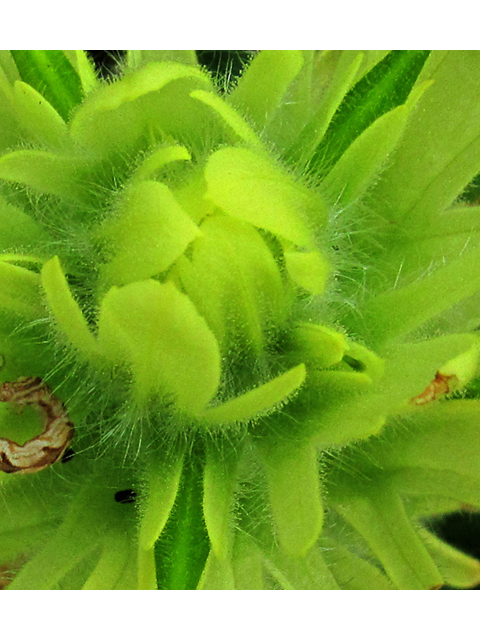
[(183, 547)]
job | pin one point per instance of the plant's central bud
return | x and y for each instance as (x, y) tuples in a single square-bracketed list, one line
[(201, 265)]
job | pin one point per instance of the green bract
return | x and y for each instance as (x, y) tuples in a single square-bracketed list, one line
[(252, 305)]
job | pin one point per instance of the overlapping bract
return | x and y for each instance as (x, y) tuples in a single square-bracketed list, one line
[(165, 238)]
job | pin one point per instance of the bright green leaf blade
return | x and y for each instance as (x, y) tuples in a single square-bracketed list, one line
[(346, 69), (37, 116), (247, 564), (309, 270), (158, 331), (258, 401), (151, 231), (65, 308), (217, 575), (248, 186), (386, 86), (161, 488), (118, 115), (382, 521), (438, 483), (45, 172), (8, 66), (360, 165), (52, 75), (156, 161), (428, 244), (440, 152), (91, 514), (351, 571), (19, 291), (234, 122), (219, 483), (182, 550), (111, 564), (398, 312), (19, 230), (84, 67), (295, 107), (273, 71), (446, 438), (162, 483), (295, 495), (242, 303)]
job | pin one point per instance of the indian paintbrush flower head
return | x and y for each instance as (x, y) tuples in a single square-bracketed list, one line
[(257, 308)]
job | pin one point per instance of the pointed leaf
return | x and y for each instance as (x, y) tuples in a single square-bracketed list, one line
[(260, 400), (182, 550), (217, 575), (157, 160), (84, 68), (273, 71), (360, 165), (382, 521), (162, 483), (38, 117), (386, 86), (230, 117), (397, 312), (345, 71), (19, 291), (18, 228), (446, 438), (51, 73), (8, 66), (295, 495), (220, 478), (65, 308), (353, 572), (45, 172), (440, 151)]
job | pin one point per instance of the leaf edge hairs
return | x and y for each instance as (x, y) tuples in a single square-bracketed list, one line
[(43, 450)]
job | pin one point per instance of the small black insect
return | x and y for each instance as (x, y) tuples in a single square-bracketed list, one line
[(125, 496), (68, 455)]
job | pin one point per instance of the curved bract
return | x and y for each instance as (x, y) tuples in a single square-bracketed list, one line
[(259, 310)]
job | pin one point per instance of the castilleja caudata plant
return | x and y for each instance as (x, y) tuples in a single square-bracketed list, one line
[(238, 321)]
